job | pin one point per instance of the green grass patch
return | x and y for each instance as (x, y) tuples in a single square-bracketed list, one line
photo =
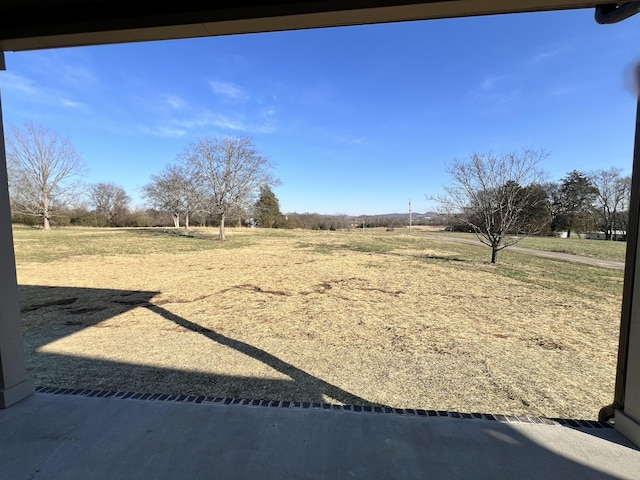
[(321, 248), (36, 245), (605, 250), (578, 280)]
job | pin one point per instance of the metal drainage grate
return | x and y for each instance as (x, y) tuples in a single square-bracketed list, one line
[(165, 397)]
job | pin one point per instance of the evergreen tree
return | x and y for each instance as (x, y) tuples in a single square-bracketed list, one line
[(267, 209), (576, 196)]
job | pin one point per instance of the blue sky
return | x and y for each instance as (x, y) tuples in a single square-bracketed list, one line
[(356, 120)]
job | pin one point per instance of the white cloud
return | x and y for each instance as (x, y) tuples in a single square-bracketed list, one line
[(63, 68), (228, 89), (229, 124), (350, 140), (72, 75), (18, 83), (159, 103), (211, 119), (497, 90), (542, 56), (268, 127), (25, 87), (165, 131), (72, 104), (205, 120), (174, 102), (269, 121)]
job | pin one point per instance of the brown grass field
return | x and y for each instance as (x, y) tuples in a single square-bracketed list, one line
[(372, 318)]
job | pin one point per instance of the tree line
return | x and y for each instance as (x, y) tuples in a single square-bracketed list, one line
[(505, 197), (213, 181), (227, 181)]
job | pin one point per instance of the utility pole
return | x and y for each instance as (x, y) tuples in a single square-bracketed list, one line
[(409, 216)]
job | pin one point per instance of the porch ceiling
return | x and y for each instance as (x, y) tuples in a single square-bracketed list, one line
[(41, 24)]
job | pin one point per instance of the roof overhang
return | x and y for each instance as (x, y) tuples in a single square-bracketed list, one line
[(41, 24)]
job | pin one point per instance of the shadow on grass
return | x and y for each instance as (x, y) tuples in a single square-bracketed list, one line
[(420, 256), (52, 313), (195, 238), (180, 232), (330, 248)]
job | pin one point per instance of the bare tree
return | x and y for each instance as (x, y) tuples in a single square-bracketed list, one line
[(622, 217), (229, 172), (495, 195), (169, 192), (110, 201), (612, 197), (44, 168)]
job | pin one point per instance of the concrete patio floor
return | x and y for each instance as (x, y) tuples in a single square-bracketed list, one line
[(101, 435)]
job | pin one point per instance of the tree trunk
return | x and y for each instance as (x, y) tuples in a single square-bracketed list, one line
[(45, 212), (176, 219), (186, 221), (613, 228), (494, 253), (222, 236)]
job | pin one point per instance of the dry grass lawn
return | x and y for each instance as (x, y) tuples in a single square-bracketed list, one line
[(341, 317)]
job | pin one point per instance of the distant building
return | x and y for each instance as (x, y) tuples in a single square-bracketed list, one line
[(618, 235)]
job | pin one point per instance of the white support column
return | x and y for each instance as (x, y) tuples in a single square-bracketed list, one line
[(14, 384), (627, 394), (627, 419)]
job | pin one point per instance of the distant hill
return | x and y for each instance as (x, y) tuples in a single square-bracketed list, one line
[(403, 215)]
